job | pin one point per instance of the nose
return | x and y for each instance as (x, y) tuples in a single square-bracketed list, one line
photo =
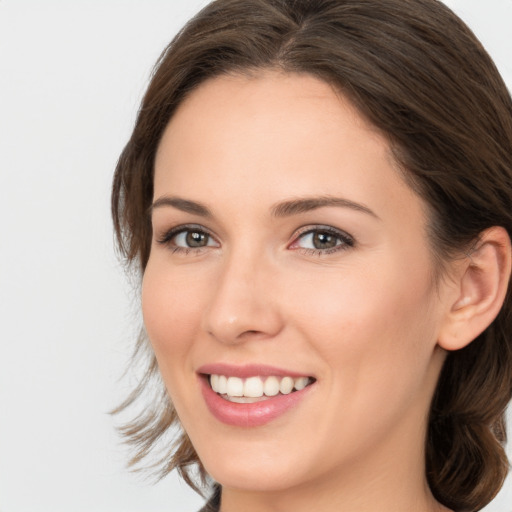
[(244, 304)]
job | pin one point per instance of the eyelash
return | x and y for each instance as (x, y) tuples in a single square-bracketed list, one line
[(168, 236), (346, 240)]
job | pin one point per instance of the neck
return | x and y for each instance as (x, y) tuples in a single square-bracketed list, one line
[(389, 477), (384, 496)]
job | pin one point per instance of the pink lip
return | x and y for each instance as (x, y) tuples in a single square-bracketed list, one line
[(253, 414), (249, 370)]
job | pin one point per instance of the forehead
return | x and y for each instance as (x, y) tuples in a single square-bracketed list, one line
[(273, 136), (242, 114), (298, 96)]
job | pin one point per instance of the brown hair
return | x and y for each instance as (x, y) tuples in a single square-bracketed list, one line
[(420, 76)]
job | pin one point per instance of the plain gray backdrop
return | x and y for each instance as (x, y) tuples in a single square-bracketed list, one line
[(71, 77)]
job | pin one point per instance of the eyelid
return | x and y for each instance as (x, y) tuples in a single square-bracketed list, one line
[(347, 239), (166, 237)]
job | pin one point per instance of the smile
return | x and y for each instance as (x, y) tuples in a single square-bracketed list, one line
[(249, 390), (252, 395)]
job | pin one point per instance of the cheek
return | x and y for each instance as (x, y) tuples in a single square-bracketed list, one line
[(369, 319), (375, 333), (171, 310)]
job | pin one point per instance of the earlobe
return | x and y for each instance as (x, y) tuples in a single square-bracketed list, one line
[(481, 290)]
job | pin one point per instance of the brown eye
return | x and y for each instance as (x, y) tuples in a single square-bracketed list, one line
[(196, 239), (324, 240), (187, 238)]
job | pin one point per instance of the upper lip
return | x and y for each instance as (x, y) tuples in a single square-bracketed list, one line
[(248, 370)]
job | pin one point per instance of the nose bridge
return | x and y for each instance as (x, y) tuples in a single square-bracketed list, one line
[(241, 306)]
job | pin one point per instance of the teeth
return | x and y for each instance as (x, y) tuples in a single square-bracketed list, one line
[(214, 382), (235, 387), (222, 386), (253, 387), (271, 386), (286, 385), (301, 383), (256, 387)]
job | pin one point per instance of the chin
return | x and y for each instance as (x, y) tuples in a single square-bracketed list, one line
[(258, 468), (254, 478)]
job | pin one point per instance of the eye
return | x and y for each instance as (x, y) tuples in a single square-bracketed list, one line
[(322, 240), (192, 239), (187, 238)]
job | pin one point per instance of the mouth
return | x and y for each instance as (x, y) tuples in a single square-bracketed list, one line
[(256, 388), (252, 395)]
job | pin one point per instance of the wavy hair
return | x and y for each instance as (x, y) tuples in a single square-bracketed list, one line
[(419, 75)]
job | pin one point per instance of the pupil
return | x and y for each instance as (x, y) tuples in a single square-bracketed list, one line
[(196, 239), (324, 241)]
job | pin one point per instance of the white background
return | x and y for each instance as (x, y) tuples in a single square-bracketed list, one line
[(71, 77)]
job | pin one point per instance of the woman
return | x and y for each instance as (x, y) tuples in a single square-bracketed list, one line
[(318, 196)]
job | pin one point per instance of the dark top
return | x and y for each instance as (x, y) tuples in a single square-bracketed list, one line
[(213, 504)]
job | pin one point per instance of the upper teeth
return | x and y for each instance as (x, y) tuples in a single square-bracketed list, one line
[(256, 387)]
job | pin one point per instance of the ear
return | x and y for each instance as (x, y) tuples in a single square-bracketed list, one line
[(480, 289)]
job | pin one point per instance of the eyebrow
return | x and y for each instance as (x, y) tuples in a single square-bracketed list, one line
[(284, 209), (184, 205), (306, 204)]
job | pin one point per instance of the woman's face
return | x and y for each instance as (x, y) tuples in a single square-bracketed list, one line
[(288, 250)]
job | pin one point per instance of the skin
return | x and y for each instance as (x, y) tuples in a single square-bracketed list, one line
[(364, 320)]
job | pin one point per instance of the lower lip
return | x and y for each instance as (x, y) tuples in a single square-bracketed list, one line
[(250, 415)]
